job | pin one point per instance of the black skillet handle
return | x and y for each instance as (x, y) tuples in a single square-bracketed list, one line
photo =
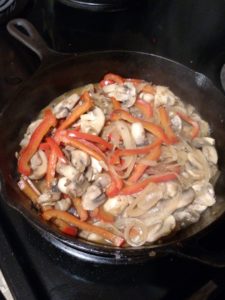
[(25, 32), (195, 252)]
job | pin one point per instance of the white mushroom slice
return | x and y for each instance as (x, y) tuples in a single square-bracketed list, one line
[(63, 108), (187, 216), (176, 123), (164, 96), (63, 204), (116, 205), (210, 154), (93, 121), (197, 207), (172, 188), (103, 181), (159, 230), (197, 166), (92, 198), (80, 160), (146, 97), (125, 93), (31, 128), (138, 133), (206, 197), (67, 171), (48, 197), (39, 164), (201, 141), (166, 207), (63, 185), (98, 165)]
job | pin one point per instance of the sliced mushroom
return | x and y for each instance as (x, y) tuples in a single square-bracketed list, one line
[(138, 133), (63, 185), (206, 197), (164, 96), (172, 188), (195, 163), (93, 121), (146, 97), (210, 154), (93, 197), (116, 205), (162, 229), (102, 181), (125, 93), (164, 208), (80, 160), (186, 217), (39, 164), (66, 170), (176, 123), (63, 204), (201, 141), (63, 108), (48, 197)]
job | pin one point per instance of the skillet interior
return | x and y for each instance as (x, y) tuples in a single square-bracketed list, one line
[(78, 70)]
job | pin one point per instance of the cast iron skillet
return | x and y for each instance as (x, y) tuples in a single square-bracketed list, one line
[(59, 73)]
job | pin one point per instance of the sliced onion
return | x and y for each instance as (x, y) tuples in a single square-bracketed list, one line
[(111, 131), (150, 196), (145, 200), (139, 239)]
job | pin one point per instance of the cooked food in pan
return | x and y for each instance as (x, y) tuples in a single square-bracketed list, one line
[(123, 162)]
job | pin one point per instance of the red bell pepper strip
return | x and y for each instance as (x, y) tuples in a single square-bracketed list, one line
[(129, 152), (35, 140), (145, 108), (82, 213), (139, 186), (78, 111), (194, 124), (46, 148), (55, 147), (89, 137), (116, 184), (114, 77), (154, 129), (89, 148), (165, 122), (65, 228), (27, 189), (100, 214), (52, 161), (140, 168), (70, 219), (55, 155), (116, 104)]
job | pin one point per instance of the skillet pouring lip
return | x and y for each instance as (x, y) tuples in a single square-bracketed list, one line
[(53, 87)]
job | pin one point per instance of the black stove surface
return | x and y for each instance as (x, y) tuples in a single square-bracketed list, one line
[(190, 32)]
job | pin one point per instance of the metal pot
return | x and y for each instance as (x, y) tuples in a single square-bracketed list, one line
[(59, 73)]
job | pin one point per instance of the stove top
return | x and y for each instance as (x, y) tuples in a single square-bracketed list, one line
[(192, 33)]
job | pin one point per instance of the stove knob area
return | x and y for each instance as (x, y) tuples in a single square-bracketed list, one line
[(10, 9)]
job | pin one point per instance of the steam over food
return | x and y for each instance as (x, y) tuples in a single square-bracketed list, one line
[(123, 162)]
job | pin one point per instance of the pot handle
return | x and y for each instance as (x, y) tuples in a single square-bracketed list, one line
[(26, 33), (199, 254)]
